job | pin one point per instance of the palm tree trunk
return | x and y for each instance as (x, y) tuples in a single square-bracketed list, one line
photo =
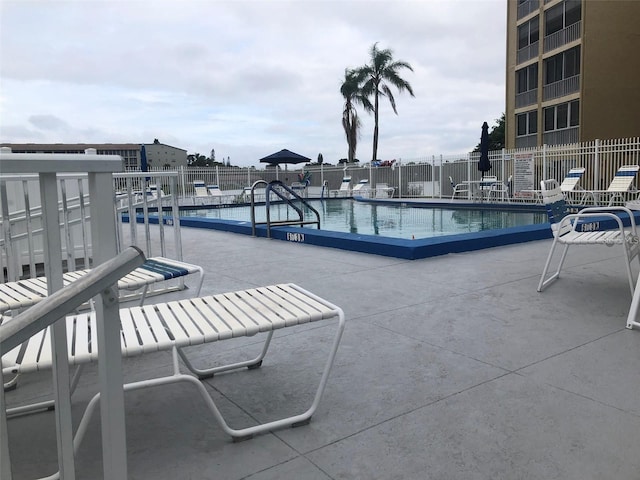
[(375, 127)]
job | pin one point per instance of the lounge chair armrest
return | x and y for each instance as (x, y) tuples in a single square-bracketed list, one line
[(626, 210), (573, 219)]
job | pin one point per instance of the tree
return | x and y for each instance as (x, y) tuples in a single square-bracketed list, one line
[(496, 136), (352, 93), (320, 159), (213, 155), (379, 74)]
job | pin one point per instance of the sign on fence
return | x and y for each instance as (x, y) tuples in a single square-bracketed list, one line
[(523, 178)]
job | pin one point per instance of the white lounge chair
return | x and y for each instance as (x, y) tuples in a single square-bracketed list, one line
[(216, 194), (622, 184), (200, 191), (15, 296), (572, 190), (362, 189), (178, 325), (459, 189), (582, 228), (345, 188)]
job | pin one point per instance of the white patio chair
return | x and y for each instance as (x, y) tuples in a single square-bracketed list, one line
[(500, 190), (459, 189), (583, 228), (384, 191)]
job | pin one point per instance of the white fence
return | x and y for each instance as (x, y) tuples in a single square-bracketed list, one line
[(429, 176)]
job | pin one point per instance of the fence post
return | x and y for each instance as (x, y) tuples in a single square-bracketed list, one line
[(544, 161), (399, 163), (469, 175), (596, 166)]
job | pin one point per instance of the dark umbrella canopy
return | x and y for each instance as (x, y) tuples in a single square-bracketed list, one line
[(484, 165), (284, 156)]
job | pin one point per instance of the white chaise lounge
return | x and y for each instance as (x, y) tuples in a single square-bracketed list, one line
[(180, 324), (21, 294)]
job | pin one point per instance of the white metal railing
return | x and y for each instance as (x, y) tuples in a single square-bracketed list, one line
[(527, 141), (562, 37), (561, 137), (22, 239), (561, 88), (99, 169), (528, 52), (529, 97)]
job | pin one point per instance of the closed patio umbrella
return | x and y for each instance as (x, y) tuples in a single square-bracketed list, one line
[(484, 165)]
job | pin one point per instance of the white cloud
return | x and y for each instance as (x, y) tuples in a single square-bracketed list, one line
[(247, 77)]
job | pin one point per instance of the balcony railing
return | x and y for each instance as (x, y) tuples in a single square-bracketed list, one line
[(527, 98), (528, 52), (527, 141), (562, 137), (562, 37), (561, 88), (527, 7)]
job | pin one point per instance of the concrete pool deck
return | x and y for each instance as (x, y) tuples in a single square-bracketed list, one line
[(451, 367)]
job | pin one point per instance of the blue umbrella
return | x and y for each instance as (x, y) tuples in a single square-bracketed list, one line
[(484, 165)]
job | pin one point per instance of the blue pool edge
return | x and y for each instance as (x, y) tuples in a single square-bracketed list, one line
[(392, 247), (372, 244)]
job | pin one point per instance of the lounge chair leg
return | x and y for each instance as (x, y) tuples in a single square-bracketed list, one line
[(204, 373), (546, 281), (255, 365), (301, 423)]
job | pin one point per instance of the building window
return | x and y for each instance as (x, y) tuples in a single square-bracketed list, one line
[(527, 123), (562, 16), (561, 66), (564, 115), (527, 78), (528, 33)]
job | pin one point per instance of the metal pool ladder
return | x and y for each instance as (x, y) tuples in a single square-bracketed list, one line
[(280, 190)]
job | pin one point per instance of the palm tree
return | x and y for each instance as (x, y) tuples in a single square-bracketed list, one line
[(353, 96), (382, 71)]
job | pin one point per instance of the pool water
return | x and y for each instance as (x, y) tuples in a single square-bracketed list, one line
[(394, 220)]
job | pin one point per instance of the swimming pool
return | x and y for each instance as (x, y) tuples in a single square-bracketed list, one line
[(408, 248), (393, 220)]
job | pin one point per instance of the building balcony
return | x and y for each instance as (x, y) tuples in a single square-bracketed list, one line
[(527, 141), (562, 137), (561, 88), (527, 7), (527, 98), (527, 53), (562, 37)]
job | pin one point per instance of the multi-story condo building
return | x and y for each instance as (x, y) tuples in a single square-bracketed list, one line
[(158, 154), (573, 71)]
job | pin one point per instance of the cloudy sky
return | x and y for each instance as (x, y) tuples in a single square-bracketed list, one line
[(247, 78)]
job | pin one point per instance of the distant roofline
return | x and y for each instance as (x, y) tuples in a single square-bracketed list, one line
[(82, 146)]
